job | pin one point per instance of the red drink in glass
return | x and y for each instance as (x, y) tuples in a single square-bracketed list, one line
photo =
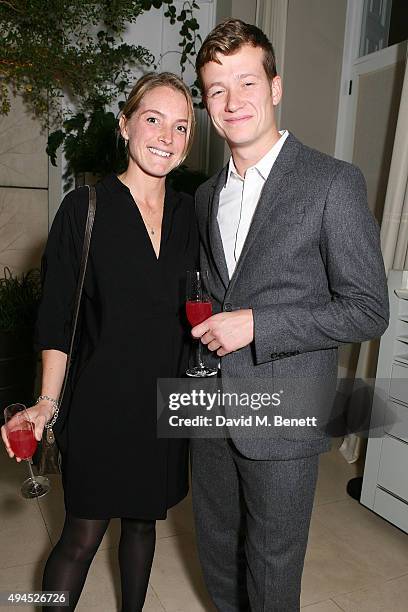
[(20, 434), (197, 312), (22, 442)]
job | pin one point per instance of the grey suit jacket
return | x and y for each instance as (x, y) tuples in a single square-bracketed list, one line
[(311, 269)]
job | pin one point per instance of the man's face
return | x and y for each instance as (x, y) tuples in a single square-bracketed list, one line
[(240, 99)]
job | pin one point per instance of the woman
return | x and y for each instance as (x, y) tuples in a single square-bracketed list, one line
[(132, 332)]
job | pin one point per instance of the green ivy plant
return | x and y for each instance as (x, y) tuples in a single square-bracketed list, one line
[(188, 31), (47, 51), (75, 48), (190, 40)]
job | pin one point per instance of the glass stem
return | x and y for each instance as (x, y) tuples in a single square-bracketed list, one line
[(32, 473), (200, 354)]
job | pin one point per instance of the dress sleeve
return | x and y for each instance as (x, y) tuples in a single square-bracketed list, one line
[(59, 274)]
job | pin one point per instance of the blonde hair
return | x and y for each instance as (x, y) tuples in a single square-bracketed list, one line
[(150, 81)]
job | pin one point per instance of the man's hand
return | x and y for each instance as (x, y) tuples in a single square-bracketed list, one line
[(226, 332)]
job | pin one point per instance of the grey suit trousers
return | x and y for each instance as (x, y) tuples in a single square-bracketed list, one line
[(252, 521)]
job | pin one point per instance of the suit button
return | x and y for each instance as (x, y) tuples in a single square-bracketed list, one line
[(227, 307)]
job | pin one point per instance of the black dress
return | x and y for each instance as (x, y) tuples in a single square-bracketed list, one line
[(132, 331)]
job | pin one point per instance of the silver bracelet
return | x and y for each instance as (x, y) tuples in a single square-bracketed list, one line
[(55, 403)]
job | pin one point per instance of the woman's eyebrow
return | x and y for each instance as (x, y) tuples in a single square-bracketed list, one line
[(153, 110)]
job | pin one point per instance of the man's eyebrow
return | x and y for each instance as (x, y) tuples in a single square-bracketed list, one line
[(215, 84), (238, 76), (247, 74)]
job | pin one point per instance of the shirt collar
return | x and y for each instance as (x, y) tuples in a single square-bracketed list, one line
[(264, 165)]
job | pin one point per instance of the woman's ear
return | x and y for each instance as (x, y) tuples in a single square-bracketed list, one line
[(123, 127)]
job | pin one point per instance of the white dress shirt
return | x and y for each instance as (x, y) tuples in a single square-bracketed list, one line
[(239, 199)]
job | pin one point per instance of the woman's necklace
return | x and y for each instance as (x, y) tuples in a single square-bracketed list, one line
[(152, 229)]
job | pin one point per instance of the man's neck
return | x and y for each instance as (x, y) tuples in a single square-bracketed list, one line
[(248, 156)]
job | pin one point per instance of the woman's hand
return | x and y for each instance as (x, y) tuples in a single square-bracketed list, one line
[(39, 415)]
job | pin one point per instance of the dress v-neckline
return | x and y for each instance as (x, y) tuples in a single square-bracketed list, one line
[(146, 229), (171, 198)]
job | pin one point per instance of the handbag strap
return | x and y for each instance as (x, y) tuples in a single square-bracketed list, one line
[(82, 270)]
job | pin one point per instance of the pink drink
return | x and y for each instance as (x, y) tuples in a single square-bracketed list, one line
[(22, 442), (197, 312)]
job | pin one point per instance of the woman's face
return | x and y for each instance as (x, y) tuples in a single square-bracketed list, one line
[(157, 131)]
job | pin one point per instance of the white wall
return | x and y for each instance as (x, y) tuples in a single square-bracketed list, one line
[(244, 9), (313, 62), (23, 189)]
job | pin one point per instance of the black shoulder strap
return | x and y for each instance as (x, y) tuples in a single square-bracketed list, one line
[(84, 260)]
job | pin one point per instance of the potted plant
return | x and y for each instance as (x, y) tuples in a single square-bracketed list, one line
[(91, 145), (19, 299)]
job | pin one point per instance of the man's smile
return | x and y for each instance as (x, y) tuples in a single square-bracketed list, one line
[(237, 120)]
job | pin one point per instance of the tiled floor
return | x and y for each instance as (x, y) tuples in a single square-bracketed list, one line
[(356, 562)]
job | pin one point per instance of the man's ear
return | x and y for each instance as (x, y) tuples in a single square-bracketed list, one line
[(203, 99), (276, 90)]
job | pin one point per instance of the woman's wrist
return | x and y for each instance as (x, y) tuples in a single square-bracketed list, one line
[(46, 409), (49, 403)]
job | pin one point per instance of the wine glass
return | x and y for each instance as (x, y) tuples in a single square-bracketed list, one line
[(198, 309), (20, 433)]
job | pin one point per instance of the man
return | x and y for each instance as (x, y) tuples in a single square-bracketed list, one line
[(295, 270)]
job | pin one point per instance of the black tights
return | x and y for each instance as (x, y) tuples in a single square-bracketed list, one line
[(69, 561)]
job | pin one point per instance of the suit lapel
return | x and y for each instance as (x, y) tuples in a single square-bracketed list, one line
[(216, 245), (283, 165)]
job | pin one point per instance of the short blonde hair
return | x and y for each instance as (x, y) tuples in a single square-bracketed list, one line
[(150, 81)]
